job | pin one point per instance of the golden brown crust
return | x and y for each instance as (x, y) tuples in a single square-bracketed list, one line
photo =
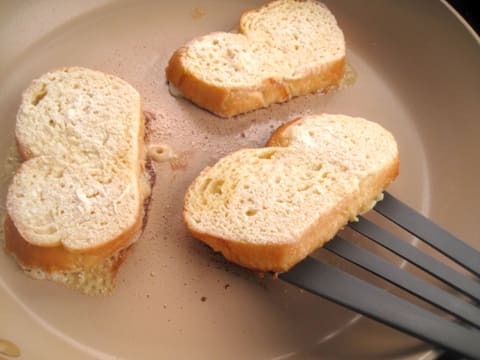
[(277, 138), (58, 258), (253, 256)]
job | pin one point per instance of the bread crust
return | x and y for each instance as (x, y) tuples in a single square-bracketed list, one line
[(59, 258), (277, 138), (281, 257), (228, 102)]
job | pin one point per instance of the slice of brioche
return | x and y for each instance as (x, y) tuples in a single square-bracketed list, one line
[(77, 201), (284, 49), (267, 209)]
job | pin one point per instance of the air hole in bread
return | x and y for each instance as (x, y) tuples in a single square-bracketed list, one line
[(304, 187), (56, 173), (251, 212), (45, 230), (317, 167), (307, 176), (40, 95), (216, 187), (93, 195), (205, 184), (105, 181)]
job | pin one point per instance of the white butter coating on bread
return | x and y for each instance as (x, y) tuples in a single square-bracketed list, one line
[(267, 209), (286, 48)]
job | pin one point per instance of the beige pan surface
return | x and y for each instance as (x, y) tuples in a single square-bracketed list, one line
[(417, 73)]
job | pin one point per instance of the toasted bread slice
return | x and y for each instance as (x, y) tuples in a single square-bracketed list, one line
[(77, 201), (284, 49), (267, 209)]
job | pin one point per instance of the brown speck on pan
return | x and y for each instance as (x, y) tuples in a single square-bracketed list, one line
[(204, 298), (226, 286), (198, 13), (179, 162)]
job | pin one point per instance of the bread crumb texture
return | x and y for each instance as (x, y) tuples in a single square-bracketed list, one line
[(284, 49), (268, 208), (80, 133)]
